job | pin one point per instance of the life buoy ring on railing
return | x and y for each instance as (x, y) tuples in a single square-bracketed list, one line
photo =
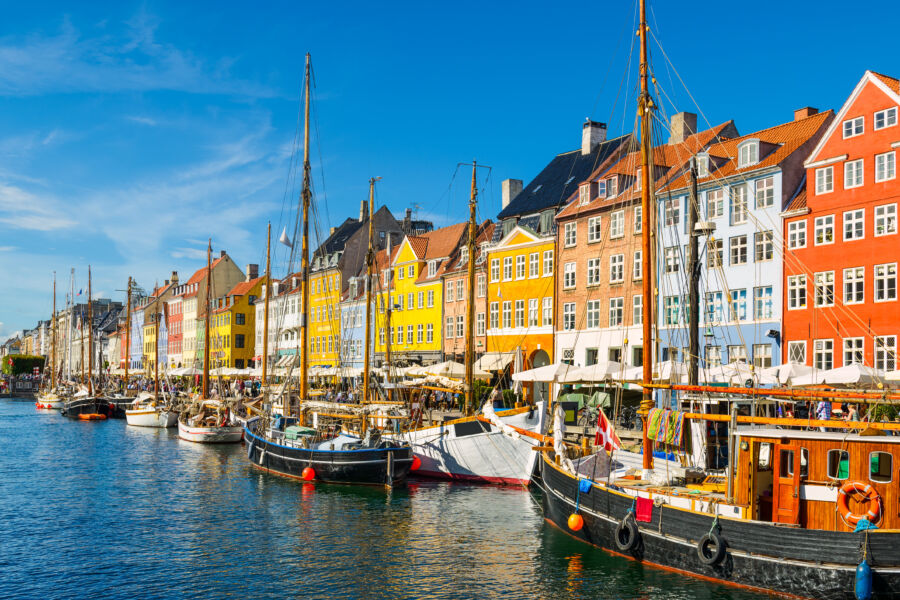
[(868, 495)]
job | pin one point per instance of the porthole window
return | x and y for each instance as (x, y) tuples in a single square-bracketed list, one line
[(881, 466), (838, 464)]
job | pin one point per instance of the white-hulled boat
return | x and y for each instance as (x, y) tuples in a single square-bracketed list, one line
[(144, 412), (212, 425), (50, 400)]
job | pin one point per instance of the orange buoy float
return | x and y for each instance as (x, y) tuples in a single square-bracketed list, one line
[(308, 474), (576, 522), (867, 493), (91, 417), (416, 464)]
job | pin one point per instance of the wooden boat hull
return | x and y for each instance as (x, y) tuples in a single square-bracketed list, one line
[(49, 402), (377, 466), (210, 435), (477, 451), (764, 556), (118, 407), (151, 417), (85, 406)]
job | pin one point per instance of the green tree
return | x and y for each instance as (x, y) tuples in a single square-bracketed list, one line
[(22, 364)]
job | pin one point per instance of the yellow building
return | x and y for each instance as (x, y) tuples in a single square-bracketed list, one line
[(231, 326), (520, 289), (324, 317), (416, 296)]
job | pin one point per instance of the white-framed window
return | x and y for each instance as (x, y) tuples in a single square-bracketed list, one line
[(520, 313), (409, 334), (401, 272), (592, 318), (548, 263), (715, 203), (738, 305), (638, 181), (569, 234), (823, 354), (885, 219), (594, 232), (569, 316), (569, 275), (420, 329), (593, 271), (714, 307), (507, 313), (797, 234), (547, 310), (763, 306), (380, 336), (765, 192), (507, 268), (885, 282), (479, 324), (410, 301), (617, 268), (601, 188), (853, 174), (748, 153), (853, 350), (448, 293), (637, 265), (494, 314), (886, 118), (824, 180), (854, 285), (738, 250), (520, 266), (762, 356), (482, 286), (737, 353), (738, 204), (616, 311), (612, 186), (824, 283), (885, 166), (702, 162), (495, 269), (411, 271), (672, 310), (430, 296), (671, 257), (824, 230), (533, 313), (886, 352), (638, 225), (637, 309), (796, 292), (715, 250), (432, 268), (534, 264), (764, 247), (797, 352), (584, 193), (429, 332), (713, 356), (854, 224), (853, 127), (672, 211), (617, 224), (460, 291)]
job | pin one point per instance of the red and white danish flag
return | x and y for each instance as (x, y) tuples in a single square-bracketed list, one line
[(606, 435)]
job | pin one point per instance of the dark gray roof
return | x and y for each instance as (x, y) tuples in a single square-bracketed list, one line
[(559, 179), (338, 239)]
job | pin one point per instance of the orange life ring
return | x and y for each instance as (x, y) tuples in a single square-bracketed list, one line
[(868, 494)]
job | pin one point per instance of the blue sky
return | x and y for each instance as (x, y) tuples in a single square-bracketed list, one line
[(132, 132)]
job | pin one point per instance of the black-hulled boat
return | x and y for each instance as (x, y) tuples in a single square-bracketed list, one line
[(285, 448), (84, 407)]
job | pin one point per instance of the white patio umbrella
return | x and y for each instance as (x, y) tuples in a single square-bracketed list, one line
[(454, 370), (547, 374), (601, 371), (740, 372), (852, 374), (893, 375), (786, 373)]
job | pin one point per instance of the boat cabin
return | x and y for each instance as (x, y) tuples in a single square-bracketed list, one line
[(797, 477)]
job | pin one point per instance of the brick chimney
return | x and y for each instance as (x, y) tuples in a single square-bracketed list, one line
[(174, 277), (592, 135), (363, 210), (682, 126), (509, 189), (806, 111), (222, 253), (252, 272)]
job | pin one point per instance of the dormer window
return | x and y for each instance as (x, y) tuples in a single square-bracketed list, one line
[(601, 188), (612, 187), (432, 268), (464, 254), (639, 181), (584, 193), (748, 153), (702, 161), (546, 222), (353, 288)]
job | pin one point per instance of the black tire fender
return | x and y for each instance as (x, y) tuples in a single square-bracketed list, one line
[(627, 535), (711, 549)]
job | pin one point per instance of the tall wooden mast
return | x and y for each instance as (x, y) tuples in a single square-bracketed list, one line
[(53, 353), (268, 286), (388, 327), (305, 196), (128, 332), (470, 299), (370, 269), (205, 390), (90, 335), (645, 105), (156, 316)]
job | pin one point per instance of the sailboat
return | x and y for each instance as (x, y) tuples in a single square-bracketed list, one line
[(50, 398), (146, 410), (85, 404), (207, 421), (281, 443), (828, 530), (484, 448)]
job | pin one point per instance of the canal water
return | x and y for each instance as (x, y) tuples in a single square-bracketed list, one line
[(103, 510)]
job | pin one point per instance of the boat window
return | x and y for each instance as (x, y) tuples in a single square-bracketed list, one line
[(838, 464), (804, 463), (765, 457), (786, 466), (880, 466)]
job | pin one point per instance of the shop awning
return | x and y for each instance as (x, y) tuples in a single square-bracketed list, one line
[(494, 361)]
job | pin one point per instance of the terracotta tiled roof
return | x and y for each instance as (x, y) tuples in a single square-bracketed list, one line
[(484, 234), (198, 276), (419, 245), (892, 83), (798, 202), (243, 287), (441, 242)]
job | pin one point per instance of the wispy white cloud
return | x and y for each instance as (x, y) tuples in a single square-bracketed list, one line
[(143, 120), (193, 253), (24, 210), (136, 61), (7, 248)]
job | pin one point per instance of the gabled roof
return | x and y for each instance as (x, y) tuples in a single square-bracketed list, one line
[(200, 273), (436, 244), (483, 234), (556, 182), (337, 240), (889, 85), (243, 287)]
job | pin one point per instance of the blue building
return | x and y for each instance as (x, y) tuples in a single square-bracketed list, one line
[(745, 185), (136, 347), (353, 324)]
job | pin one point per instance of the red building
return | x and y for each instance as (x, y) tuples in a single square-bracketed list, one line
[(841, 242)]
